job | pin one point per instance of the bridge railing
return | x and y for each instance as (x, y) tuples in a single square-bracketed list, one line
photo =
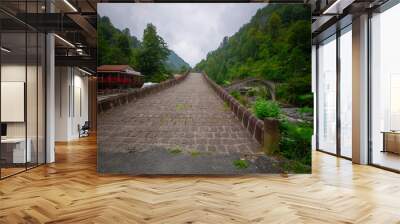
[(123, 98), (266, 132)]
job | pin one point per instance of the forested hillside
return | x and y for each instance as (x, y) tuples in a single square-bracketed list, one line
[(150, 56), (274, 45), (176, 63)]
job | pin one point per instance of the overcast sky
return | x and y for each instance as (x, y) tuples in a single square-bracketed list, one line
[(191, 29)]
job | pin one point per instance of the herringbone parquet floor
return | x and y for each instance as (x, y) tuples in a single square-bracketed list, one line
[(70, 191)]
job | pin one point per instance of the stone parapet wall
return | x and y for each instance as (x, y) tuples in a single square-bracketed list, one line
[(254, 125), (123, 98)]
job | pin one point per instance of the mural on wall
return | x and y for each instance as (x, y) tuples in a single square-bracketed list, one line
[(204, 88)]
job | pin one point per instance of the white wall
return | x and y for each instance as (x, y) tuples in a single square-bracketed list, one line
[(71, 102), (33, 126), (62, 83), (17, 72), (14, 72), (80, 110)]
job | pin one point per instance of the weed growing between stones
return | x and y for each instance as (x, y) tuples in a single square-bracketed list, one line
[(241, 164), (226, 106), (195, 153), (175, 150), (182, 106)]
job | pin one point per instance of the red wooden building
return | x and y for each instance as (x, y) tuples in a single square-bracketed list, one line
[(118, 77)]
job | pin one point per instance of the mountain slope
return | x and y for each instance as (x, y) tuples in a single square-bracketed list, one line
[(274, 45), (118, 47), (176, 63)]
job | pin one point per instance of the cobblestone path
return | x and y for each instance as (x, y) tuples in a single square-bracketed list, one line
[(188, 118), (188, 115)]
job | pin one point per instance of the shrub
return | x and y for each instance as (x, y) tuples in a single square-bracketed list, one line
[(241, 164), (259, 92), (296, 167), (159, 78), (263, 93), (235, 94), (306, 99), (285, 93), (252, 91), (305, 111), (295, 142), (226, 83), (263, 109)]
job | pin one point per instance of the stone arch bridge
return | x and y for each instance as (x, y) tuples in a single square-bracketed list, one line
[(270, 85)]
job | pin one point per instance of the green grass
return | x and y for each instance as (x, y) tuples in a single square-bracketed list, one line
[(175, 150), (195, 153), (182, 106), (226, 106), (241, 164)]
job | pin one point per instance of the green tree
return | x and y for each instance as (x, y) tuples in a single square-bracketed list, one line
[(274, 24), (153, 53), (120, 47), (183, 69)]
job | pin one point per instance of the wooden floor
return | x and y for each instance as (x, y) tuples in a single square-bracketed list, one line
[(70, 191), (387, 159), (5, 172)]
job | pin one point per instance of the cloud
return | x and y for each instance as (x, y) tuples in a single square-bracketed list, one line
[(190, 29)]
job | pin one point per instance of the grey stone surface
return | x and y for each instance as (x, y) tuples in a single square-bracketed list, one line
[(188, 116), (159, 160)]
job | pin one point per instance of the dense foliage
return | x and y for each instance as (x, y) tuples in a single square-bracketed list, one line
[(150, 56), (295, 145), (266, 109), (115, 46), (274, 45)]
